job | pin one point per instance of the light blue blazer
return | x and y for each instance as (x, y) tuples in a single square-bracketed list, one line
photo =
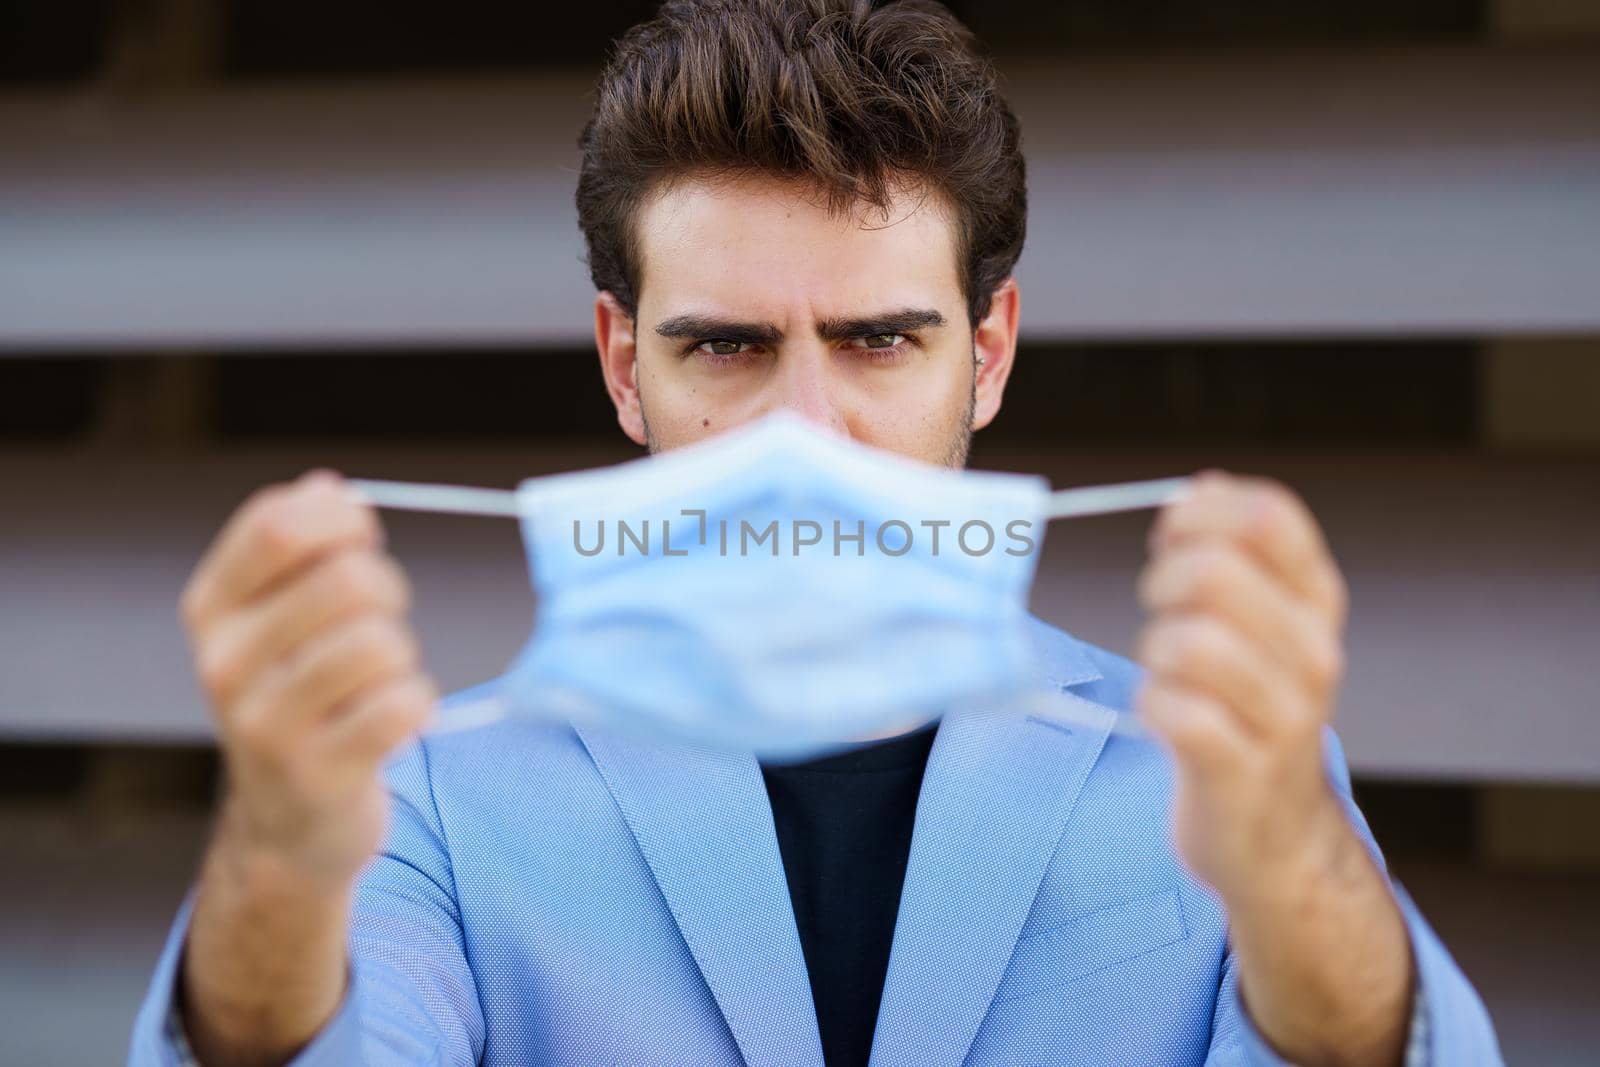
[(558, 896)]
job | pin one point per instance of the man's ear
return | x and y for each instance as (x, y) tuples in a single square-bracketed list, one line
[(994, 341), (619, 362)]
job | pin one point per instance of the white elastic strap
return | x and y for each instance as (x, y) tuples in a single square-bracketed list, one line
[(1071, 713), (1068, 713), (502, 503), (469, 715), (1105, 499), (455, 499)]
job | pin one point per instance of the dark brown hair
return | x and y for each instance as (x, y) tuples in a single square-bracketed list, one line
[(851, 97)]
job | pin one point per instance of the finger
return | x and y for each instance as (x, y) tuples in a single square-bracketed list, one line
[(1199, 730), (347, 583), (1266, 517), (1204, 654), (380, 720), (332, 669), (277, 531), (1215, 577)]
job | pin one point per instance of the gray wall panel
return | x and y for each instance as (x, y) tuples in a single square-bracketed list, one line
[(1417, 191)]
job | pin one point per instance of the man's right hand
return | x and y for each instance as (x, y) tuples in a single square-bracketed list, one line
[(297, 618)]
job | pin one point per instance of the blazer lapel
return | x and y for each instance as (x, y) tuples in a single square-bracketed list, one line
[(995, 800), (704, 825)]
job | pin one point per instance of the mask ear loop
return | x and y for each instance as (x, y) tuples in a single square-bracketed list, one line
[(449, 499), (468, 715), (1107, 499), (1073, 713), (502, 503)]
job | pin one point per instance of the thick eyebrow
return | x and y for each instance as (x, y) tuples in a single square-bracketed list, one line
[(697, 327), (901, 321), (702, 327)]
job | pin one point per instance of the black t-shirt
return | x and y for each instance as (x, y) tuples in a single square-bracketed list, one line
[(844, 828)]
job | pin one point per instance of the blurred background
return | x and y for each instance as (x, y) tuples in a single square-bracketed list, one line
[(1354, 244)]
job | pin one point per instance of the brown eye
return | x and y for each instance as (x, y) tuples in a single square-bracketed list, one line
[(722, 353), (882, 340)]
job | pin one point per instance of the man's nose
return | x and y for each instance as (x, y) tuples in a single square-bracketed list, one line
[(803, 387)]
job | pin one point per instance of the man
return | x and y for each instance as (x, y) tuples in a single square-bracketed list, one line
[(816, 206)]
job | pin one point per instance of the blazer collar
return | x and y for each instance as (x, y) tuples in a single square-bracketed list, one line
[(995, 798), (704, 824)]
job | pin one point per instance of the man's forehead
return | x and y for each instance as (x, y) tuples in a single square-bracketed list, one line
[(746, 242)]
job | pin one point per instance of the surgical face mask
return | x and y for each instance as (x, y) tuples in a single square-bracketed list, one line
[(776, 589)]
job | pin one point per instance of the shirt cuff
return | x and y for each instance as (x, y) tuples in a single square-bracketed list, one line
[(177, 1041), (1417, 1040), (1259, 1054), (338, 1044), (159, 1039)]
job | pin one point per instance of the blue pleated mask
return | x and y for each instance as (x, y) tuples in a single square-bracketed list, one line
[(776, 589)]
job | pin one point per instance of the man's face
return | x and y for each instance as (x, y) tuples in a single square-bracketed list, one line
[(754, 298)]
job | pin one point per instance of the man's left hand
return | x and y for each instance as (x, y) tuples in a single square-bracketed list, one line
[(1243, 653)]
